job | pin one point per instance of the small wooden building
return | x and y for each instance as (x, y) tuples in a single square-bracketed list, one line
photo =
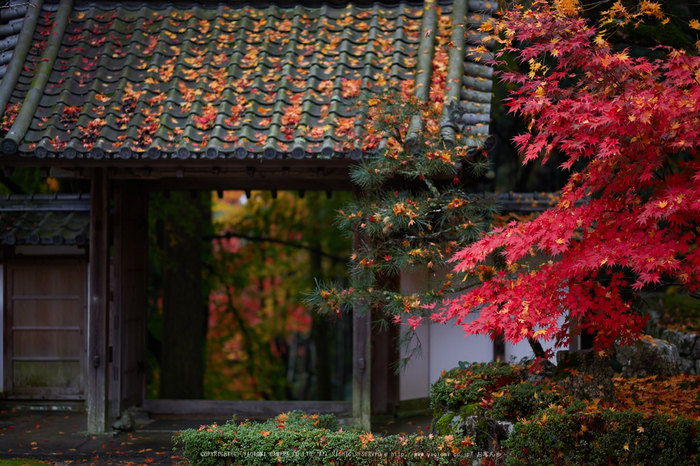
[(137, 96), (44, 278)]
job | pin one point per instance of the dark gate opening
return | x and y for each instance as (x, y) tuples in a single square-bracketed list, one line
[(227, 275)]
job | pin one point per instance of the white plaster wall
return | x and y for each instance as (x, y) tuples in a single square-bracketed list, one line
[(444, 346), (522, 349), (414, 381), (449, 345)]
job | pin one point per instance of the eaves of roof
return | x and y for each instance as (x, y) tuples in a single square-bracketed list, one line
[(54, 219), (523, 203), (96, 81), (44, 219)]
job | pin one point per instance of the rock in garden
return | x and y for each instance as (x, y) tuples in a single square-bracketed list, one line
[(125, 423), (586, 376), (485, 431), (648, 357), (685, 342), (544, 371)]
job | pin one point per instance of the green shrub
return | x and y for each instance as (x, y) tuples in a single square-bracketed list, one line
[(525, 399), (553, 428), (301, 439), (574, 437), (470, 384), (496, 390)]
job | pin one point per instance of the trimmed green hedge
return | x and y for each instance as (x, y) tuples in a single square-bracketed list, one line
[(626, 438), (553, 429), (470, 384), (301, 439), (497, 390)]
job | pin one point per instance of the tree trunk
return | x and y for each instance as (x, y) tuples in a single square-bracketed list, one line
[(536, 348), (184, 308)]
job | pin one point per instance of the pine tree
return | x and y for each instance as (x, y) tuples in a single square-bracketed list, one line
[(413, 210)]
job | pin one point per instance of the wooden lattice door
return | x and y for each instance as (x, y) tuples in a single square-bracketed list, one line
[(45, 337)]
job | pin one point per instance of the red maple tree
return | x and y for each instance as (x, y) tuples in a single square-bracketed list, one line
[(628, 218)]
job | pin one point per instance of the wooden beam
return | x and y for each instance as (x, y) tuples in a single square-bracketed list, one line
[(98, 305), (246, 409), (188, 165), (226, 183)]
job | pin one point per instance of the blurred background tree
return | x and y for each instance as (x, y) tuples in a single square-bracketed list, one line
[(261, 254)]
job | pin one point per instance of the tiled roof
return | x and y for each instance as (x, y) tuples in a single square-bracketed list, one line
[(146, 81), (11, 21), (44, 219), (527, 202)]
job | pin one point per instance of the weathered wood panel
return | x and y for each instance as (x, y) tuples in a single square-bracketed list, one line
[(38, 282), (45, 321), (54, 312), (243, 409)]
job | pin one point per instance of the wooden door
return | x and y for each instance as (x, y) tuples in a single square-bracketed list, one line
[(45, 338)]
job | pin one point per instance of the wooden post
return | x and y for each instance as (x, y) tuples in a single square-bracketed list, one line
[(128, 320), (499, 348), (98, 296), (385, 381), (361, 373), (362, 354), (385, 353)]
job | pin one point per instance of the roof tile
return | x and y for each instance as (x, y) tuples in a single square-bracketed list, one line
[(44, 219), (131, 80)]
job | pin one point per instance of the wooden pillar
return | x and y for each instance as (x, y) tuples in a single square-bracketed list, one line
[(98, 296), (361, 373), (499, 348), (385, 381), (385, 353), (128, 319), (362, 351)]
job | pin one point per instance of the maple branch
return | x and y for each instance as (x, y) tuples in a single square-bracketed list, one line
[(659, 175), (397, 135), (292, 244), (467, 286)]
